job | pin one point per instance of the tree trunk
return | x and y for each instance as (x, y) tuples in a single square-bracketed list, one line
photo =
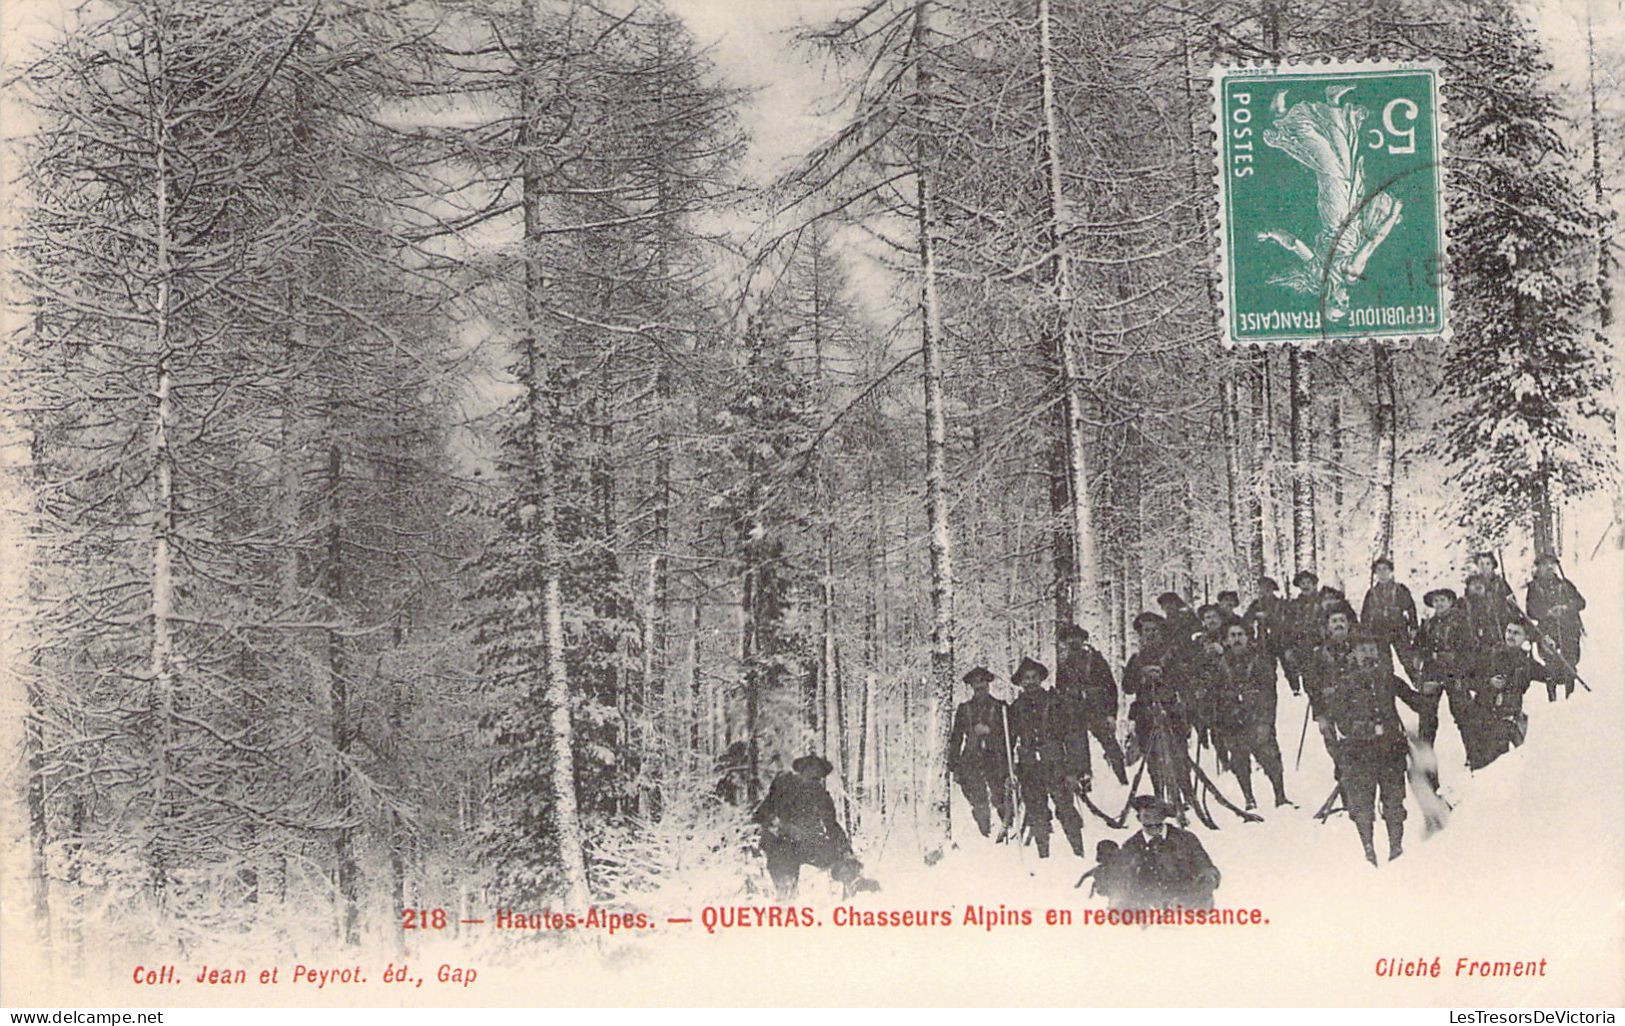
[(338, 692), (1076, 574), (1256, 467), (163, 527), (1230, 420), (1387, 431), (1339, 538), (1303, 496), (936, 445), (541, 409)]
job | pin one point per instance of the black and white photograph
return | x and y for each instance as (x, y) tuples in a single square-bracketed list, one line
[(808, 503)]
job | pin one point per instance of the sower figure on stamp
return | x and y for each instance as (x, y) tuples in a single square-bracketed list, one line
[(1161, 865), (1083, 673), (1554, 604), (1370, 743), (978, 754), (1246, 705), (799, 827), (1039, 725), (1389, 613)]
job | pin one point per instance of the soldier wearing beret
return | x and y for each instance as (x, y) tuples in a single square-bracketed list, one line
[(1389, 612), (799, 825), (1505, 675), (1082, 674), (1368, 741), (1554, 603), (1049, 767), (1445, 654), (979, 752)]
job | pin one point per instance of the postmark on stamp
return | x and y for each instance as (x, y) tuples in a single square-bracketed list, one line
[(1331, 215)]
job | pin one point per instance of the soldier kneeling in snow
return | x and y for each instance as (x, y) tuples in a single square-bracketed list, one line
[(799, 827), (1160, 866)]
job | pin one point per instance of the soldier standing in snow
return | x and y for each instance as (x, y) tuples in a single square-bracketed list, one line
[(1445, 655), (978, 754), (1505, 676), (1389, 612), (1370, 743), (799, 827), (1082, 672), (1246, 712), (1182, 624), (1301, 628), (1160, 722), (1486, 569), (1554, 604), (1486, 611), (1047, 766), (1161, 866), (1265, 616), (1327, 664)]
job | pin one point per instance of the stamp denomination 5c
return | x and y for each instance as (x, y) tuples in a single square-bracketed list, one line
[(1331, 216)]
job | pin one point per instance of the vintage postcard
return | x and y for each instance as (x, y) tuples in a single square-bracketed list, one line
[(812, 503)]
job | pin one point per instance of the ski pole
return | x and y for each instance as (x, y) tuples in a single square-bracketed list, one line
[(1297, 763)]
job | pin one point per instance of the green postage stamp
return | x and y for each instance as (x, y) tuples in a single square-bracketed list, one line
[(1331, 219)]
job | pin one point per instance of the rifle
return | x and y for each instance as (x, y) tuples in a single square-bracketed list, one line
[(1012, 829), (1543, 639)]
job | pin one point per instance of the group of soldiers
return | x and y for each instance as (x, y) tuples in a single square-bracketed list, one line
[(1206, 680)]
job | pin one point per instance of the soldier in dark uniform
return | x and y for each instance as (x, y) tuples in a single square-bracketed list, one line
[(1445, 657), (1327, 664), (1498, 699), (1371, 749), (1246, 713), (1554, 604), (1495, 583), (1200, 682), (1301, 628), (1048, 767), (1151, 644), (1083, 674), (979, 754), (1332, 600), (1389, 613), (733, 774), (1182, 624), (1161, 866), (1229, 603), (1265, 617), (1486, 614), (1158, 713), (799, 827)]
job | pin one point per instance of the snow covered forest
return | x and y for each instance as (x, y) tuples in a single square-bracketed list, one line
[(434, 443)]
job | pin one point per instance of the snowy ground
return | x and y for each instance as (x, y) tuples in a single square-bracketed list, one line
[(1531, 866)]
